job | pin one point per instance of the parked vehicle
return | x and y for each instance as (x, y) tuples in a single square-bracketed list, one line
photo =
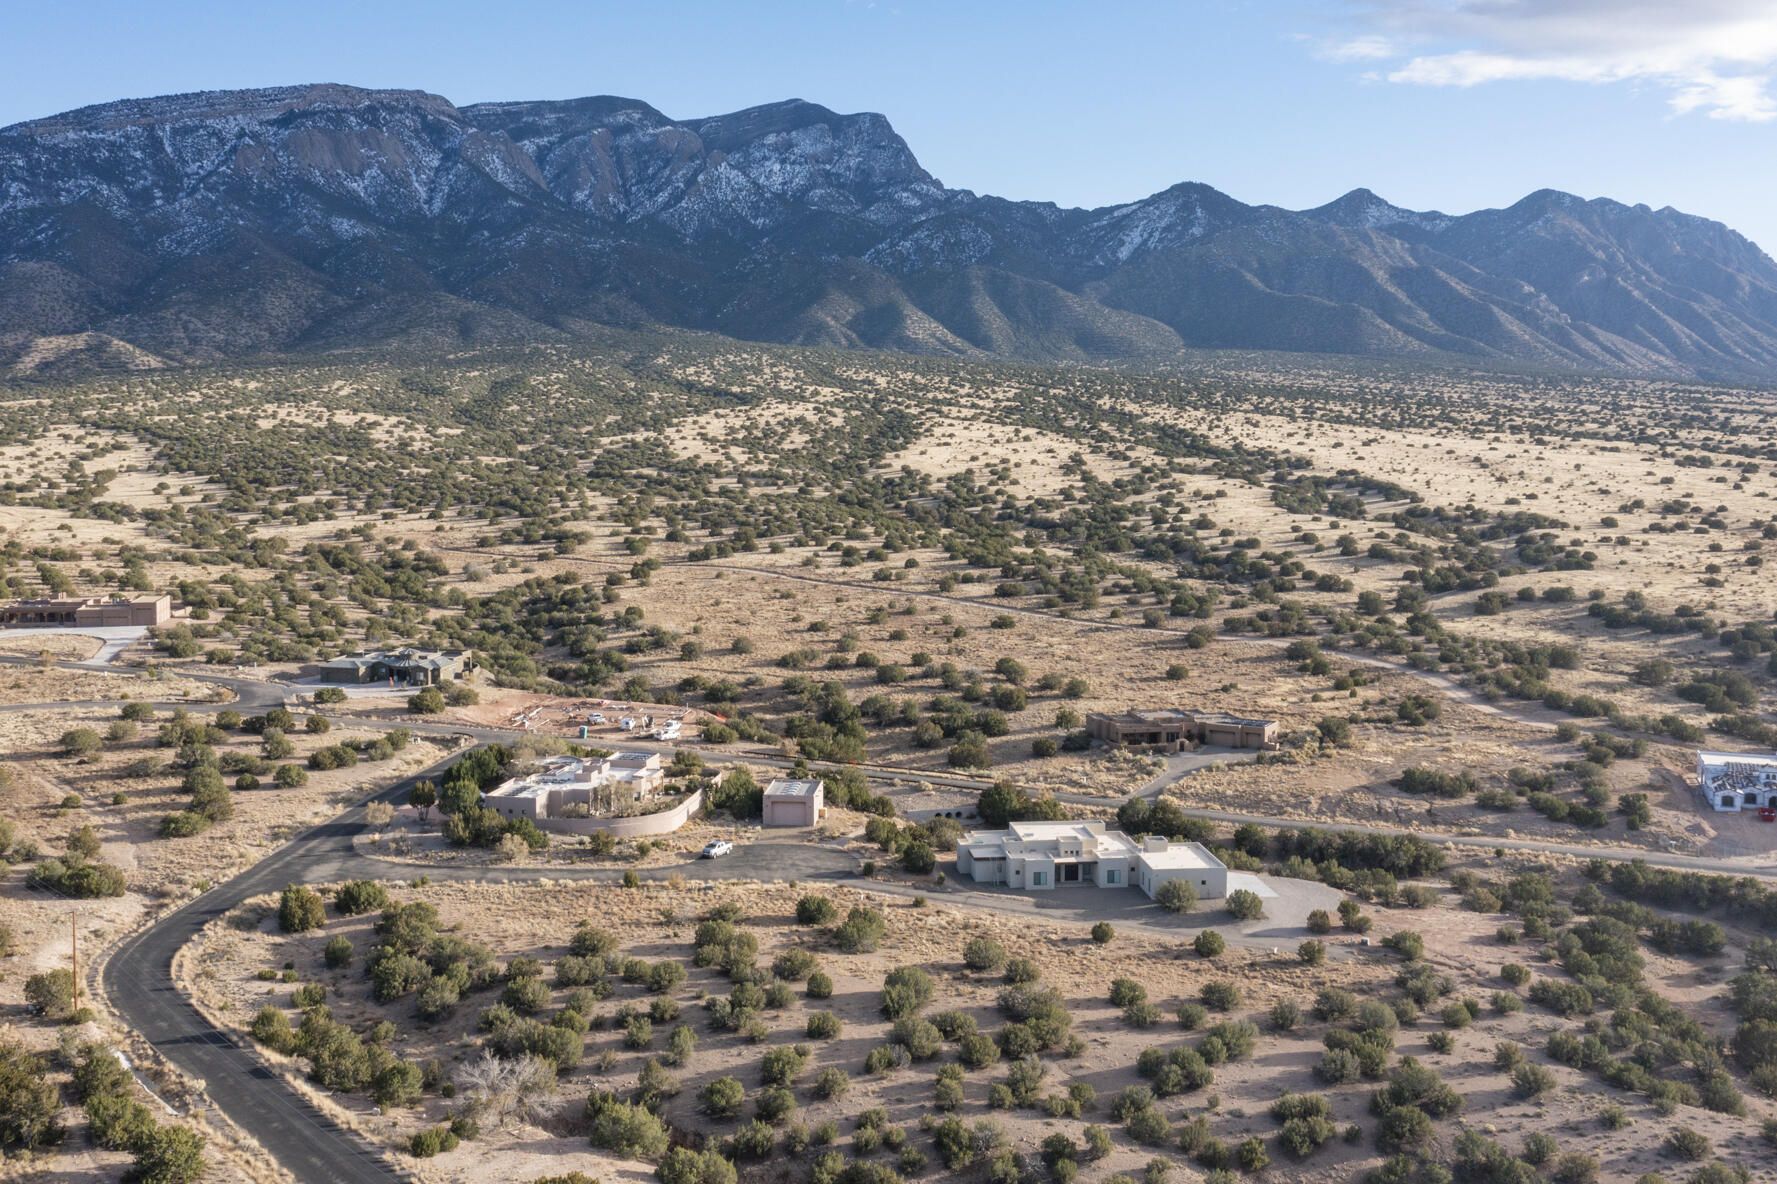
[(668, 731), (627, 724), (717, 847)]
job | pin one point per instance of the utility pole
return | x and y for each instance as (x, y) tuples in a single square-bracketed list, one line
[(74, 945)]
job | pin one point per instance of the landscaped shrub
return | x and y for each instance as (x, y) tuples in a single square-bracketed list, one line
[(1176, 896), (1245, 905)]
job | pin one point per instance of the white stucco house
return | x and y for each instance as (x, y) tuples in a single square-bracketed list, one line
[(1160, 861), (600, 785), (1037, 856), (1732, 781)]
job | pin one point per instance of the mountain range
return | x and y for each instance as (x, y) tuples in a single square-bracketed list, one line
[(250, 223)]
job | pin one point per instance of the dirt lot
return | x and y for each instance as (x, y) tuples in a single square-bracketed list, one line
[(27, 684)]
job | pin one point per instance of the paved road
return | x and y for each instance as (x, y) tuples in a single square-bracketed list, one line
[(138, 977), (113, 639), (255, 695)]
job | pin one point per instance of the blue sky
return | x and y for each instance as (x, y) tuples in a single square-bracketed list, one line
[(1448, 104)]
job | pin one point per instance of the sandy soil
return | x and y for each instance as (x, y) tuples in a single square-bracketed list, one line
[(655, 922), (28, 684)]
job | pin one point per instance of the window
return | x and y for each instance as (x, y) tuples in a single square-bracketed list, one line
[(1110, 875), (1038, 879)]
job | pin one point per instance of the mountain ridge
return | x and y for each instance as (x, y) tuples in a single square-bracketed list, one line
[(220, 224)]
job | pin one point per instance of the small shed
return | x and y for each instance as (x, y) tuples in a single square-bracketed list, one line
[(794, 803)]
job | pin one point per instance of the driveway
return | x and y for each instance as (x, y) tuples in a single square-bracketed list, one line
[(116, 638), (373, 690), (1180, 765)]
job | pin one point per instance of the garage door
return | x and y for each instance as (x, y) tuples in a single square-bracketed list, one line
[(784, 814)]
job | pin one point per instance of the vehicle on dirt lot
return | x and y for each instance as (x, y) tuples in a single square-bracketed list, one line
[(717, 847)]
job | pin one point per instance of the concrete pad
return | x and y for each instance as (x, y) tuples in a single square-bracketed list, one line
[(1252, 884)]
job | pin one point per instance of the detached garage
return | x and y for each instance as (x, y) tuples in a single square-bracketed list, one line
[(794, 803)]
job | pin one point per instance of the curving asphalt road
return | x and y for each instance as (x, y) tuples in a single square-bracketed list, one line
[(138, 978)]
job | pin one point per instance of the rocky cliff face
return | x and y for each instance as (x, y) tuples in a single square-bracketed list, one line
[(248, 222)]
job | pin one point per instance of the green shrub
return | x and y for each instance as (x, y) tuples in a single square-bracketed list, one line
[(830, 1084), (168, 1155), (1690, 1144), (1176, 896), (1528, 1080), (984, 954), (905, 990), (722, 1097), (1245, 905), (815, 910), (1220, 995), (300, 910), (360, 896)]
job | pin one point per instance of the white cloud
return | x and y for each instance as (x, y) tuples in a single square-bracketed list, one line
[(1715, 57)]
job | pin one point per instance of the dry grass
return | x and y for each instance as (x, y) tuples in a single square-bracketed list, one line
[(655, 922)]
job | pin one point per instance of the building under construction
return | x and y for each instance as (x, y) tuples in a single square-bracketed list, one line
[(1735, 781)]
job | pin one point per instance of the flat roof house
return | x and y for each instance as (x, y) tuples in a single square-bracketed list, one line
[(88, 610), (794, 802), (403, 667), (1233, 731), (1161, 860), (1164, 727), (1731, 781), (1038, 855), (1042, 855), (559, 782), (1172, 730)]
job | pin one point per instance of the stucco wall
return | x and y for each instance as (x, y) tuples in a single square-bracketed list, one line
[(662, 823)]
